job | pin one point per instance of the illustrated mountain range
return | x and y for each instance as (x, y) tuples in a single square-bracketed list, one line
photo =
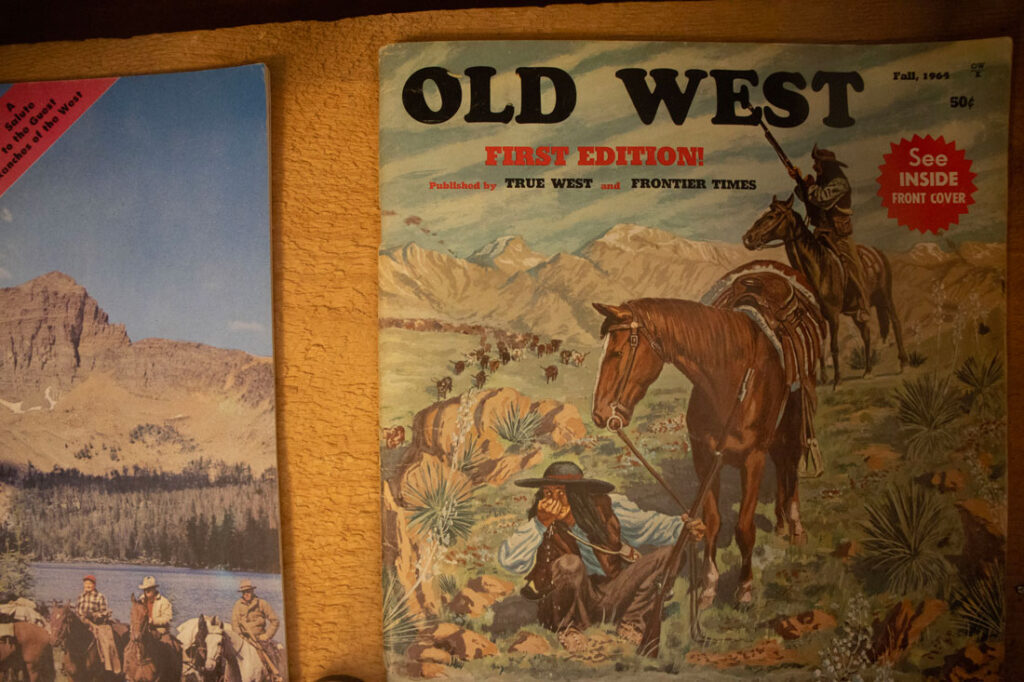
[(507, 284), (76, 391)]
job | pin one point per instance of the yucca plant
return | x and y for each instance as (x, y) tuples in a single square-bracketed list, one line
[(517, 427), (469, 458), (926, 408), (982, 385), (440, 506), (979, 607), (448, 584), (916, 359), (906, 529), (400, 623)]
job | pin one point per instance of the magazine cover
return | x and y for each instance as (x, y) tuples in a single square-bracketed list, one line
[(138, 463), (692, 360)]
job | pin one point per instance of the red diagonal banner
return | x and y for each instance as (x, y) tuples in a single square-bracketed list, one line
[(35, 115)]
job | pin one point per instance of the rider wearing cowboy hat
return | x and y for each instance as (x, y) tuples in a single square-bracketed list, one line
[(253, 615), (830, 210), (159, 609), (255, 619), (577, 549)]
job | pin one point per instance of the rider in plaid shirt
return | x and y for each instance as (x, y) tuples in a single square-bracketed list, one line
[(92, 605)]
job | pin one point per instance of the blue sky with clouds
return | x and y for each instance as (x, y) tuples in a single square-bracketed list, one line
[(156, 201), (413, 153)]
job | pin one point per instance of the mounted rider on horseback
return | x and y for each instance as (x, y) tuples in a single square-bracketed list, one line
[(827, 197)]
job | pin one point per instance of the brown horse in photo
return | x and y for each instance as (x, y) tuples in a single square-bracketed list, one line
[(147, 658), (81, 661), (827, 275), (741, 404), (29, 656)]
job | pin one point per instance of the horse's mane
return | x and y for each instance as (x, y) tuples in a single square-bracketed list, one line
[(679, 323), (806, 236)]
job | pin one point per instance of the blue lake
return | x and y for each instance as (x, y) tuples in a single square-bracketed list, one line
[(191, 591)]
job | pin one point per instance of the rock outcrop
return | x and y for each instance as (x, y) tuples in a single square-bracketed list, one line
[(54, 333), (480, 594), (901, 627), (531, 644), (794, 627), (72, 385), (471, 421), (974, 663)]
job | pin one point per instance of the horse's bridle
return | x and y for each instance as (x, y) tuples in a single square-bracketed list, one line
[(778, 241), (60, 638), (615, 421)]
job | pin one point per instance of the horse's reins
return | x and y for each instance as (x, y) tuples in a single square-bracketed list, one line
[(615, 423)]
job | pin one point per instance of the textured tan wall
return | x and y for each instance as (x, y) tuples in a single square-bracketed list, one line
[(326, 229)]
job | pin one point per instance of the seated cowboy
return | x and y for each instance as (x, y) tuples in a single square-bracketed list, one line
[(578, 551), (93, 610), (254, 618)]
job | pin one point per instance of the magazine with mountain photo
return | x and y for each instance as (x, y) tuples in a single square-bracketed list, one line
[(692, 359), (137, 408)]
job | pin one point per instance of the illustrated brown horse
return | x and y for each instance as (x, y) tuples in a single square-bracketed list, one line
[(29, 655), (741, 405), (823, 269), (147, 658), (81, 661)]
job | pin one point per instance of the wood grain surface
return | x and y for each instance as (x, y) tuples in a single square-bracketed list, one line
[(326, 229)]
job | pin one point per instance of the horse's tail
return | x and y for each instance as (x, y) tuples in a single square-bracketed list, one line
[(886, 310)]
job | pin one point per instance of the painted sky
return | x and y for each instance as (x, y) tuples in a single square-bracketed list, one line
[(413, 153), (156, 201)]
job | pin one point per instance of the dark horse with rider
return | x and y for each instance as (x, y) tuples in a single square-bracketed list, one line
[(847, 278)]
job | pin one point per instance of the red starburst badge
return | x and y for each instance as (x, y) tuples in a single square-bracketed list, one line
[(926, 183)]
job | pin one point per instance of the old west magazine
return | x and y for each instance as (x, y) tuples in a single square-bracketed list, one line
[(693, 359)]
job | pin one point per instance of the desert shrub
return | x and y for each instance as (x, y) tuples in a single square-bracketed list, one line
[(981, 380), (856, 359), (846, 655), (517, 427), (907, 529), (978, 607), (926, 408), (916, 359), (400, 623)]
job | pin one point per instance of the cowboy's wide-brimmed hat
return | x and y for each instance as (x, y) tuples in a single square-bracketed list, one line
[(819, 154), (246, 585), (567, 474), (148, 582)]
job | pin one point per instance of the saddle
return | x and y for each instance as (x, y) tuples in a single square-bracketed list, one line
[(781, 303)]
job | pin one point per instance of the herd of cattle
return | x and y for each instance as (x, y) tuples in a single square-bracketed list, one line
[(507, 348), (488, 358)]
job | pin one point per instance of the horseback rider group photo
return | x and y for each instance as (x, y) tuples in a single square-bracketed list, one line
[(92, 645)]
